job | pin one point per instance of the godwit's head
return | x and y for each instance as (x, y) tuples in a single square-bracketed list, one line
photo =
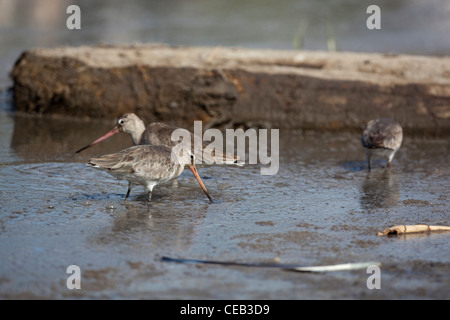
[(132, 124), (129, 123)]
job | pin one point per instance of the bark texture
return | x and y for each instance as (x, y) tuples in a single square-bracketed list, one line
[(230, 87)]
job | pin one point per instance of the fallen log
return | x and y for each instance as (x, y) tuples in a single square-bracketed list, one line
[(230, 87)]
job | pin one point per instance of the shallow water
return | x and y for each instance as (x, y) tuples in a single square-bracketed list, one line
[(322, 207)]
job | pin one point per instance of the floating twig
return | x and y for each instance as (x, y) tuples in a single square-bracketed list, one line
[(293, 267), (412, 229)]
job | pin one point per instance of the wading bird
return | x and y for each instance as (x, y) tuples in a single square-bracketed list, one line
[(156, 134), (382, 138), (148, 166)]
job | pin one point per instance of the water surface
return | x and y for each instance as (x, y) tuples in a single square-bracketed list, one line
[(407, 26)]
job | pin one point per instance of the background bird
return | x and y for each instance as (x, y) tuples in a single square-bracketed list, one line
[(382, 138), (158, 133)]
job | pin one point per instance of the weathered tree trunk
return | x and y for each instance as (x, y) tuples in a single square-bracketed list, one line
[(230, 87)]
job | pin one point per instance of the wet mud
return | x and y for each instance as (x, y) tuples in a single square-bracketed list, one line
[(322, 207)]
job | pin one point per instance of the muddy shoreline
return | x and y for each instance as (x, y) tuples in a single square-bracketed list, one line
[(322, 208)]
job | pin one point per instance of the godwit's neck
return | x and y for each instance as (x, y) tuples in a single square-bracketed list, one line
[(139, 129)]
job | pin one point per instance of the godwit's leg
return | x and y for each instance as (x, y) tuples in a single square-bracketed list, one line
[(129, 190), (369, 160), (391, 156), (150, 189)]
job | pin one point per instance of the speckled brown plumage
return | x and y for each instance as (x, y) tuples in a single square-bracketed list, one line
[(146, 165), (382, 138), (158, 133)]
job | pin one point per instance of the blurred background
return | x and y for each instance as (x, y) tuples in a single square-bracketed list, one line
[(407, 26)]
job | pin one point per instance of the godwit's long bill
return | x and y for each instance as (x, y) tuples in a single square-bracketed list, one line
[(148, 166), (106, 136), (381, 138), (156, 134)]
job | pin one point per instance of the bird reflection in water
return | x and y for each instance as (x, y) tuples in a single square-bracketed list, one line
[(380, 189)]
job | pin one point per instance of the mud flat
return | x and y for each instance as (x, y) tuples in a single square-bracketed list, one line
[(229, 87)]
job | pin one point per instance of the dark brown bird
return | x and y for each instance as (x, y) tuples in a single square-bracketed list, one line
[(156, 134), (382, 138), (148, 166)]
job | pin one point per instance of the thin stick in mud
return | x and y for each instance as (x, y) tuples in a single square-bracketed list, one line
[(401, 229)]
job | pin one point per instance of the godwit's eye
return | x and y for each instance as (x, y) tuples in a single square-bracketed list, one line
[(192, 157), (121, 121)]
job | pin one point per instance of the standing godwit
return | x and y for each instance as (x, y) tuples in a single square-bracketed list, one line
[(381, 138), (156, 134), (148, 166)]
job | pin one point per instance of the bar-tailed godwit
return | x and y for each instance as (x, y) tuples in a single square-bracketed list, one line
[(158, 133), (148, 166)]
